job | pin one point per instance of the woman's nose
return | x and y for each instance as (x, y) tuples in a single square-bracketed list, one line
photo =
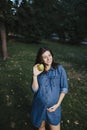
[(48, 58)]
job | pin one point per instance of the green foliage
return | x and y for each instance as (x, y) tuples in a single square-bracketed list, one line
[(41, 18), (15, 79), (75, 21)]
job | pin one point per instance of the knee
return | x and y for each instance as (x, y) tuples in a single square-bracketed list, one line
[(42, 126), (55, 127)]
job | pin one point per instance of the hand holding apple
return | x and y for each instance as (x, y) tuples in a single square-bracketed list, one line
[(40, 67), (37, 69)]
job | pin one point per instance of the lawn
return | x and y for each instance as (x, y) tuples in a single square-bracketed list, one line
[(15, 79)]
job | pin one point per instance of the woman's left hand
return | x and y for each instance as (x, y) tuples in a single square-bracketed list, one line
[(53, 108)]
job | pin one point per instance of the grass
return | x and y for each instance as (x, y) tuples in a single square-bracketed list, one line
[(15, 79)]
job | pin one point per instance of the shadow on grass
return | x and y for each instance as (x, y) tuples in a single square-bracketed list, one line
[(15, 108)]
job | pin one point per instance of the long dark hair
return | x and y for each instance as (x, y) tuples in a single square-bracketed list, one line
[(39, 56)]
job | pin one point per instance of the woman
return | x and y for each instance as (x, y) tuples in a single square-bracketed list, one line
[(49, 87)]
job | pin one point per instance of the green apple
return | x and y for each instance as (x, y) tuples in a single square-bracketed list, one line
[(40, 67)]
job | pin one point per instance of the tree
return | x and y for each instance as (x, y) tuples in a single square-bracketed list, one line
[(3, 41), (45, 15), (75, 20), (3, 33)]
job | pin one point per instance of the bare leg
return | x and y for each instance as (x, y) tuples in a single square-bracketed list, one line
[(53, 127), (42, 127)]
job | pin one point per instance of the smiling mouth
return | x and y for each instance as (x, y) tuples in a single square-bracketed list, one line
[(49, 62)]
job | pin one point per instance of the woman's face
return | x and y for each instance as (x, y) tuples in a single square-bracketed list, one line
[(47, 58)]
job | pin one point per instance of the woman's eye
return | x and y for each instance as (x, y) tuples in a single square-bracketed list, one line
[(49, 55), (45, 58)]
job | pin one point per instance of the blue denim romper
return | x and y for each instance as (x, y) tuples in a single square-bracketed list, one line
[(51, 84)]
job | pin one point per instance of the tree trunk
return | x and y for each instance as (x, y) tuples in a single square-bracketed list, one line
[(3, 41)]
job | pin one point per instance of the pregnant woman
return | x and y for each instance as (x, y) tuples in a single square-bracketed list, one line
[(49, 86)]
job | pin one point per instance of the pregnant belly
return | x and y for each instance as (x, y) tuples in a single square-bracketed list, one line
[(48, 100)]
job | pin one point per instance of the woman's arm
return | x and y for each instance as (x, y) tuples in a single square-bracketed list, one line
[(36, 72), (34, 83), (61, 97)]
